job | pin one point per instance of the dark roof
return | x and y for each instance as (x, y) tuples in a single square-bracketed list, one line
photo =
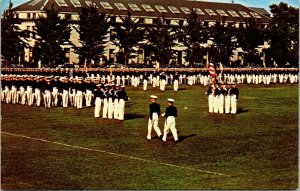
[(261, 10), (38, 5)]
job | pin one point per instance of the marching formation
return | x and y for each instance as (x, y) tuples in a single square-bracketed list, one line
[(53, 91), (222, 98)]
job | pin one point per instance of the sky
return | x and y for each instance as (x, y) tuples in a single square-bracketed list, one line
[(249, 3)]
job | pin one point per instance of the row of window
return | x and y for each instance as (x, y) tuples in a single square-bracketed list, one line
[(160, 8)]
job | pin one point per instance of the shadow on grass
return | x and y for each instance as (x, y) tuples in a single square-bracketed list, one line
[(242, 110), (183, 137), (130, 116)]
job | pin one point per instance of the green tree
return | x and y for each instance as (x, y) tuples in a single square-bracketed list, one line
[(127, 35), (13, 39), (283, 33), (249, 37), (224, 41), (51, 33), (194, 33), (161, 37), (92, 28)]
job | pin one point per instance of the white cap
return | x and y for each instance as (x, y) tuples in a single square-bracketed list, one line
[(171, 100), (153, 97)]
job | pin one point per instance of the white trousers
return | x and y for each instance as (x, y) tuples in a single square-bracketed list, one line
[(110, 108), (170, 125), (153, 123), (14, 95), (145, 84), (233, 104), (79, 99), (22, 95), (88, 98), (105, 108), (116, 109), (29, 95), (210, 103), (121, 109), (55, 96), (162, 85), (176, 85), (97, 106), (72, 96), (216, 104), (65, 98), (227, 104), (154, 82), (47, 99), (37, 94), (221, 104)]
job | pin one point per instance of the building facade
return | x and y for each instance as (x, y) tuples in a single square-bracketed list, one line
[(147, 11)]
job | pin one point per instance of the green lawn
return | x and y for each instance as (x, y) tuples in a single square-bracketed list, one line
[(255, 149)]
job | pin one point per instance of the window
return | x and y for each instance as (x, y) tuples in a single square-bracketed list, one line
[(76, 3), (210, 12), (28, 15), (147, 8), (34, 15), (161, 9), (61, 3), (222, 13), (154, 21), (186, 10), (244, 14), (198, 11), (134, 7), (16, 15), (167, 22), (173, 9), (34, 2), (255, 14), (106, 5), (233, 13), (121, 6)]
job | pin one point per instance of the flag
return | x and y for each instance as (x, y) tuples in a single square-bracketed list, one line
[(212, 73)]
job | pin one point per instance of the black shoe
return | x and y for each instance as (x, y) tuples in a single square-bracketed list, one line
[(161, 137)]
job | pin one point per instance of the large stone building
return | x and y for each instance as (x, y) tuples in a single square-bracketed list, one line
[(175, 11)]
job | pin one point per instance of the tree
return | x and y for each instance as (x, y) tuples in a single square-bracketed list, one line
[(161, 38), (249, 37), (194, 33), (13, 39), (223, 39), (283, 33), (92, 28), (51, 33), (127, 35)]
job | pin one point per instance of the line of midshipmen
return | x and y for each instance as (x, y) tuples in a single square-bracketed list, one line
[(222, 98), (53, 91)]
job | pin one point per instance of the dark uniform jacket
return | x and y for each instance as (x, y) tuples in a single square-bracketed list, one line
[(154, 108), (171, 111)]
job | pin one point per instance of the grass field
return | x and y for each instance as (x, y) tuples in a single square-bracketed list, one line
[(255, 149)]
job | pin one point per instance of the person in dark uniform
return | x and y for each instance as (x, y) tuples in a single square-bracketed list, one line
[(105, 101), (170, 123), (65, 91), (47, 92), (122, 96), (176, 81), (111, 99), (153, 117), (234, 94), (98, 93)]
